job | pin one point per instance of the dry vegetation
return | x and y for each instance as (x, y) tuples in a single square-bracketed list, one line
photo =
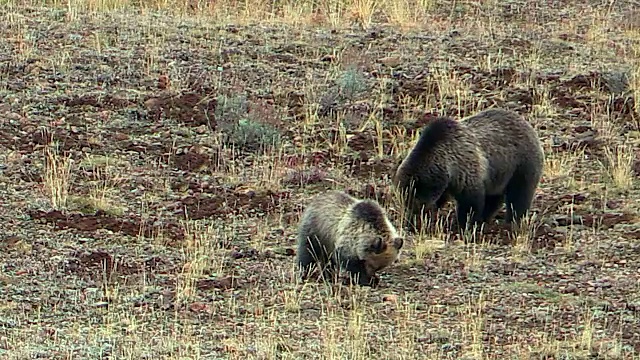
[(155, 158)]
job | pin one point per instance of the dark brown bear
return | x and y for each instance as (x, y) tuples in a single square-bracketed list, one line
[(481, 161), (338, 231)]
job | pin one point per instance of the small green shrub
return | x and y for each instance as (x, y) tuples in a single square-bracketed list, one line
[(351, 83), (241, 128)]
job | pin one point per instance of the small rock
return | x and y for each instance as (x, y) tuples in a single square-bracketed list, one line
[(328, 58), (268, 254), (251, 253), (223, 283), (570, 289), (565, 220), (163, 82), (202, 129), (152, 103), (390, 298), (391, 61), (13, 116), (198, 307), (120, 136)]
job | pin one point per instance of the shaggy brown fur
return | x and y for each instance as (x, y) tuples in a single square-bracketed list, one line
[(481, 161), (339, 231)]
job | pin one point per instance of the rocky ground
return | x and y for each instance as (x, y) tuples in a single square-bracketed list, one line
[(153, 169)]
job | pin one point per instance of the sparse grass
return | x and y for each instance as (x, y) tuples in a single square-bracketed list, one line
[(524, 236), (203, 256), (474, 323), (428, 242), (407, 14), (562, 167), (542, 106), (175, 231), (107, 177), (634, 84), (57, 177), (364, 11), (401, 143), (619, 166)]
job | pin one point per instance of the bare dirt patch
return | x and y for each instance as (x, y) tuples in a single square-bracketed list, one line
[(131, 225)]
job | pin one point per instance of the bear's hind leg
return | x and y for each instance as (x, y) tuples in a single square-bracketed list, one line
[(519, 197), (312, 253), (492, 203)]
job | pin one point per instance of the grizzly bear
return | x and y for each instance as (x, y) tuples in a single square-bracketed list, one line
[(340, 232), (482, 161)]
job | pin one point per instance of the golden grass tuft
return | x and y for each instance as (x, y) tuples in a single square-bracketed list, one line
[(57, 177), (618, 167)]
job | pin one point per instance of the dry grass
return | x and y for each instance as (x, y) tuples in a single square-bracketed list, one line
[(619, 166), (57, 177), (156, 216)]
